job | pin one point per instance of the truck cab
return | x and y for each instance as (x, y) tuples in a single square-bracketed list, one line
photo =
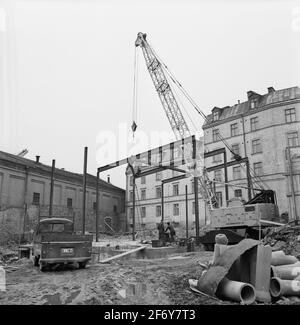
[(55, 242)]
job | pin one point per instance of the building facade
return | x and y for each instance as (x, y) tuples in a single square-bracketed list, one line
[(263, 128), (25, 196), (149, 205)]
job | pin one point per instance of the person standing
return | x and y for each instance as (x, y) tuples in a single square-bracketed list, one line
[(161, 230), (171, 230)]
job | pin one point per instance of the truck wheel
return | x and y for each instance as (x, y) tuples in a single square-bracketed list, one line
[(82, 265), (43, 267)]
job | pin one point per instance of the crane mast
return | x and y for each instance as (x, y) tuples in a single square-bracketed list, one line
[(161, 84)]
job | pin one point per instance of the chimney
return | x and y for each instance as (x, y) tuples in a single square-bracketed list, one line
[(271, 90), (37, 159), (239, 101), (108, 178)]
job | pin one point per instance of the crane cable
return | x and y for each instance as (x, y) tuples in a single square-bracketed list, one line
[(135, 93)]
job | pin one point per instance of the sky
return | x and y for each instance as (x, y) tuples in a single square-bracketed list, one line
[(67, 70)]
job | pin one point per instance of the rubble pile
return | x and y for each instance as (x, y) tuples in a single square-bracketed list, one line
[(7, 256), (286, 238)]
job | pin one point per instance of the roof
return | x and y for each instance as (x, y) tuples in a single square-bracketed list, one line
[(273, 97), (16, 162)]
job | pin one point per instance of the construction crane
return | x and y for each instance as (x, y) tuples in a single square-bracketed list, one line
[(242, 216), (171, 108)]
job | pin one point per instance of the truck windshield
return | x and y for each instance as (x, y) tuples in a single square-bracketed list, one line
[(52, 227)]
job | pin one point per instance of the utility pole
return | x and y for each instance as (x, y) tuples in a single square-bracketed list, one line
[(186, 213), (84, 189), (97, 206), (51, 189), (294, 208)]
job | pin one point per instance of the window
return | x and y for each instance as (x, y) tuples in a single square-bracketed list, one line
[(236, 149), (158, 176), (218, 175), (114, 208), (143, 194), (176, 209), (69, 202), (193, 207), (94, 206), (131, 180), (217, 158), (290, 115), (143, 180), (256, 146), (36, 198), (158, 211), (192, 187), (175, 189), (253, 103), (292, 138), (158, 191), (215, 135), (143, 212), (131, 212), (254, 123), (238, 193), (215, 116), (258, 168), (219, 198), (236, 171), (234, 129), (131, 196)]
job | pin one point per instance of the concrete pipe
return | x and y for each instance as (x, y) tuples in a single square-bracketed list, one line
[(236, 291), (279, 258), (286, 272), (221, 239), (218, 250), (279, 287)]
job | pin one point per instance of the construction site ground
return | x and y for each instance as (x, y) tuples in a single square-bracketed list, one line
[(165, 282)]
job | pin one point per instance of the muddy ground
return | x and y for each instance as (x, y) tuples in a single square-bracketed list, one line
[(157, 281)]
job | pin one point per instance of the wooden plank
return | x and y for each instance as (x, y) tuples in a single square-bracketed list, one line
[(123, 254)]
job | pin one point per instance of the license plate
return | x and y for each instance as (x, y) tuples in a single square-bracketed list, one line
[(67, 251)]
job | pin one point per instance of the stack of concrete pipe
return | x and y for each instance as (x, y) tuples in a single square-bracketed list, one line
[(285, 275)]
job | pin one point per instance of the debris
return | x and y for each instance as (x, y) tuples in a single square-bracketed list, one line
[(122, 254)]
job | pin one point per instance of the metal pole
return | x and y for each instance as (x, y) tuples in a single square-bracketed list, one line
[(248, 180), (97, 206), (133, 208), (51, 189), (196, 209), (84, 189), (162, 202), (226, 178), (294, 208), (186, 212)]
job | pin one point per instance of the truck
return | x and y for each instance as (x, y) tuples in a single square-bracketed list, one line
[(55, 242)]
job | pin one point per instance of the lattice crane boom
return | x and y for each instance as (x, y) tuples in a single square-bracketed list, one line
[(162, 86)]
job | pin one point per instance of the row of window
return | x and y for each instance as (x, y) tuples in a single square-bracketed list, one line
[(158, 192), (237, 172), (158, 177), (36, 201), (290, 117), (176, 210), (289, 114)]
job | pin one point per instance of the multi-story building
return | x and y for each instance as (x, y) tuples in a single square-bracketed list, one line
[(148, 200), (262, 129), (25, 196)]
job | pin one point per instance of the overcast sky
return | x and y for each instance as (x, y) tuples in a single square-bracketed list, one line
[(67, 69)]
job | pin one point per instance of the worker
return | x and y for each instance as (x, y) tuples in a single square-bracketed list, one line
[(171, 231), (161, 230)]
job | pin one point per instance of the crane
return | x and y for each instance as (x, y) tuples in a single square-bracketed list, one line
[(172, 110), (221, 218)]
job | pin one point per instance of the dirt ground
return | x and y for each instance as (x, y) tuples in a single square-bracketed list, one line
[(157, 281)]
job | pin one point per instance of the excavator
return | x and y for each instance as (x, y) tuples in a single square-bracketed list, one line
[(237, 220)]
